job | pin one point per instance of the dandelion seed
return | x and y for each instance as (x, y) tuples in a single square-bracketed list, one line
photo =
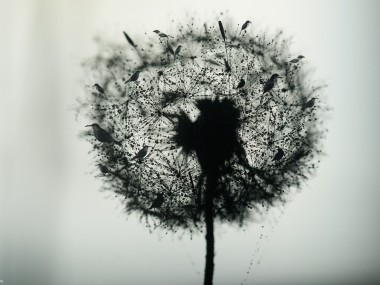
[(129, 40), (221, 28)]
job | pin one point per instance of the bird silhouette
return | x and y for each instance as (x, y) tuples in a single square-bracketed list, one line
[(103, 169), (99, 89), (177, 51), (157, 203), (142, 152), (280, 153), (102, 135), (297, 59), (134, 77), (309, 103), (241, 84), (270, 83), (245, 25), (161, 34)]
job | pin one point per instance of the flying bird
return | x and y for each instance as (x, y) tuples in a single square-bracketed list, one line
[(270, 83), (241, 84), (134, 77), (309, 103), (142, 152), (301, 56), (157, 203), (280, 153), (245, 25), (102, 135)]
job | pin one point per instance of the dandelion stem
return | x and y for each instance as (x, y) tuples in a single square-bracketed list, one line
[(209, 219)]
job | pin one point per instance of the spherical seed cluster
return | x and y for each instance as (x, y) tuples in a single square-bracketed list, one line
[(196, 99)]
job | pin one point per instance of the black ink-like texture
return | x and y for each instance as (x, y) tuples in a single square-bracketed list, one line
[(208, 124)]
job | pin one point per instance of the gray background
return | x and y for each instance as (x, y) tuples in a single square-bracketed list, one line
[(57, 228)]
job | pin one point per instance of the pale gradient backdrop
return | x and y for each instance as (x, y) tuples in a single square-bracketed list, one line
[(57, 228)]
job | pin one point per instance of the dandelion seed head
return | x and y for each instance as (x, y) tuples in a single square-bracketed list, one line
[(186, 107)]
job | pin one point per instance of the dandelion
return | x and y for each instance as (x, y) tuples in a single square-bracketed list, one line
[(225, 123)]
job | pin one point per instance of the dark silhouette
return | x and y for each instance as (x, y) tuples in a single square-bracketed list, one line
[(214, 139), (102, 135), (161, 34), (269, 84), (142, 152), (157, 203), (241, 84), (309, 103), (280, 154), (177, 51), (294, 60), (135, 76), (103, 169), (100, 89), (219, 154), (222, 32), (227, 66), (129, 40), (170, 49), (245, 25)]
